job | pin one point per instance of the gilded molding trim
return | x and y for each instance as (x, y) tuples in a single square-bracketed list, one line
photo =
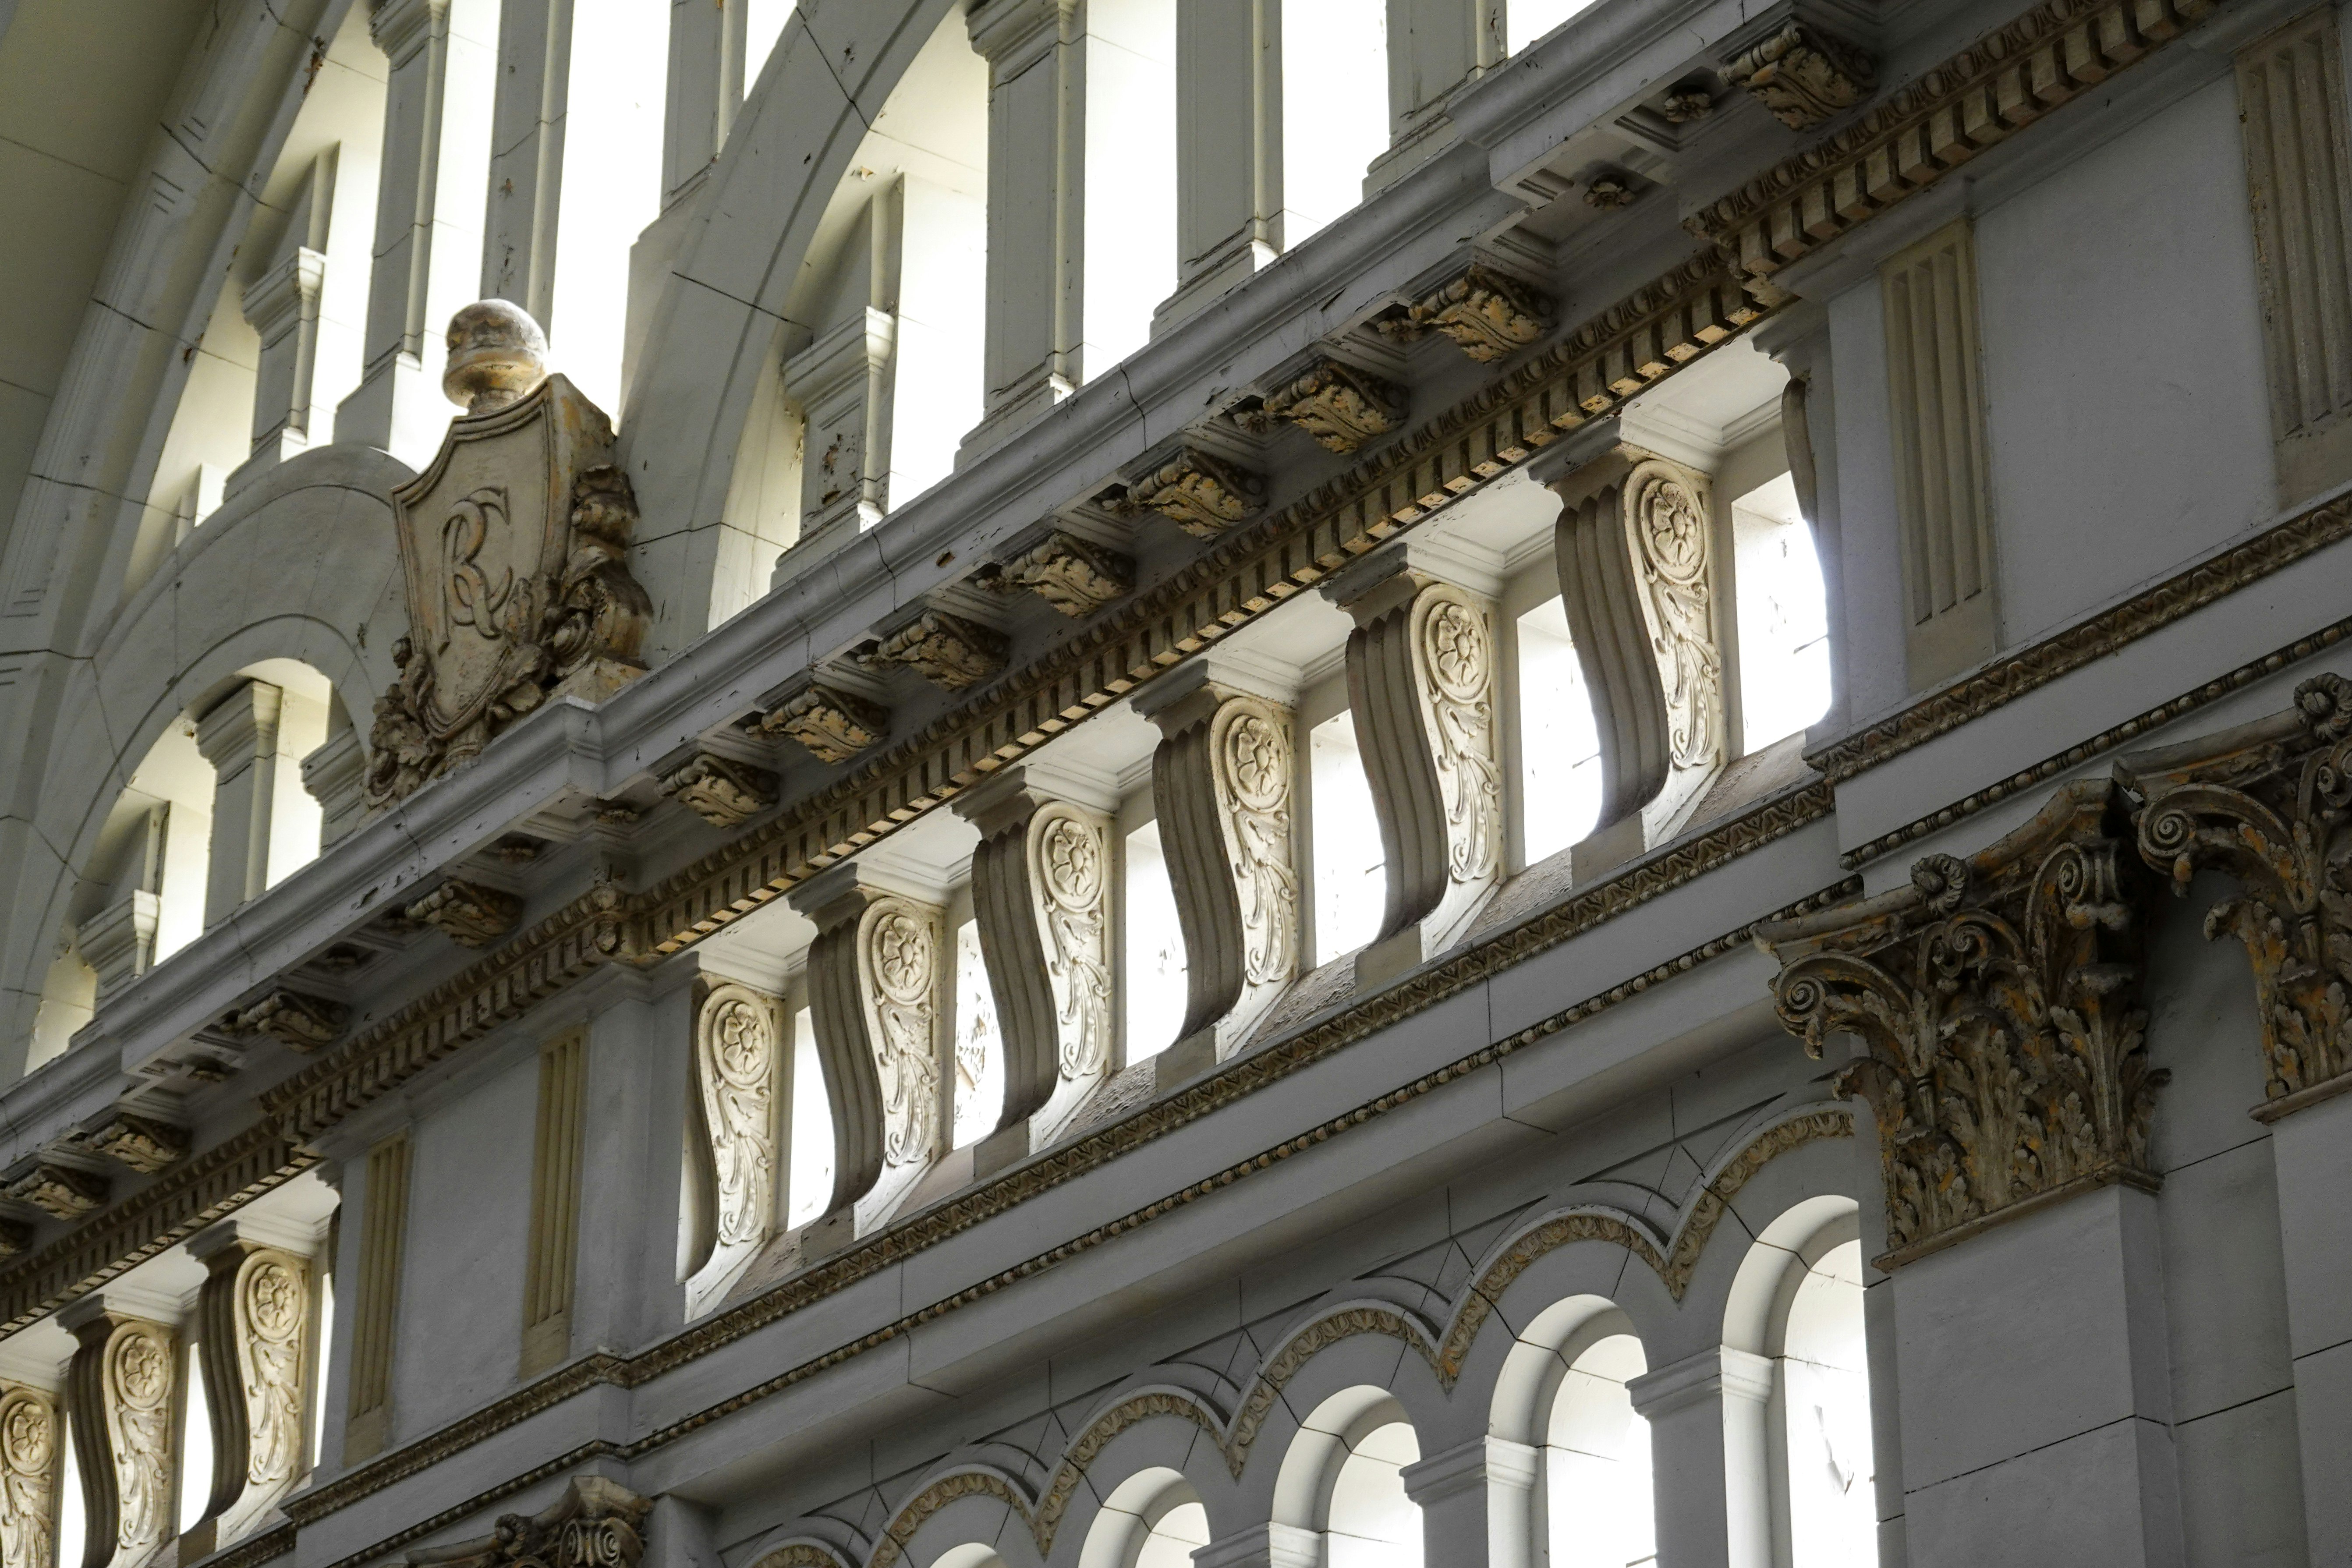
[(916, 1510), (803, 1555), (890, 1247), (1099, 1435), (2107, 739), (2008, 679)]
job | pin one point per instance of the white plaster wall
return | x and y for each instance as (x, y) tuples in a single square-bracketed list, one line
[(460, 1326), (2127, 413)]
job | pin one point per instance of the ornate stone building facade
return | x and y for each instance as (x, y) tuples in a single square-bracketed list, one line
[(1114, 783)]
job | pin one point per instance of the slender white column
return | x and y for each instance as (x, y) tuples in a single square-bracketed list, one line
[(1477, 1504), (1266, 1546), (335, 775), (1036, 52), (1228, 148), (282, 304), (706, 89), (526, 179), (239, 737), (842, 384), (429, 211), (2312, 1152), (1434, 46), (1706, 1442)]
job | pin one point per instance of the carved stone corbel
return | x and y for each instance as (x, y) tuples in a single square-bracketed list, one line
[(832, 725), (1341, 406), (16, 1238), (1802, 74), (1997, 999), (874, 974), (121, 1390), (253, 1319), (468, 913), (297, 1021), (141, 1142), (950, 652), (736, 1051), (1635, 548), (2269, 804), (1420, 687), (62, 1192), (1075, 575), (1200, 493), (30, 1442), (1484, 313), (721, 791), (1222, 784), (1041, 895), (596, 1524)]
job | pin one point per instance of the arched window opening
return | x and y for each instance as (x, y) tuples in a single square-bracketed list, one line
[(1153, 981), (1597, 1486), (1343, 1479), (1797, 1301), (1784, 645), (1824, 1393), (1559, 746), (1351, 866), (1151, 1519), (1335, 109), (891, 299), (971, 1554)]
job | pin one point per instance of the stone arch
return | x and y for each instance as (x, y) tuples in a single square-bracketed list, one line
[(959, 1505), (712, 331), (803, 1552), (303, 566), (1135, 1510), (1331, 1327), (1122, 1415), (1348, 1430)]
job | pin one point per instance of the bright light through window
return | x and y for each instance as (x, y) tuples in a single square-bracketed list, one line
[(1833, 1503), (1528, 20), (1155, 949), (1597, 1459), (1350, 871), (1559, 751), (195, 1443), (1373, 1523), (1335, 108), (763, 24), (1784, 646), (1182, 1531), (612, 186), (72, 1523), (979, 1050), (1130, 246), (812, 1151)]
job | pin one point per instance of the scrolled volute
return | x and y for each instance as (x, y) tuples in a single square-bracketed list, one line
[(596, 1524), (1997, 999), (2269, 805)]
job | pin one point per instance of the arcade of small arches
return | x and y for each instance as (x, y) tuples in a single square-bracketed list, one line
[(1514, 1397)]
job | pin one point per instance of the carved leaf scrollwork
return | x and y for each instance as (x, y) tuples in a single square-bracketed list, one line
[(1069, 869), (901, 957), (1670, 533), (2269, 804), (272, 1311), (1250, 754), (138, 1391), (1458, 656), (28, 1449), (736, 1047), (1998, 1001)]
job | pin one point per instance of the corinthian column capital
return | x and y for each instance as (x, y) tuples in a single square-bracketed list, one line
[(1421, 688)]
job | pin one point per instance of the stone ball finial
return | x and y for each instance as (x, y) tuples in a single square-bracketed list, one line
[(496, 354)]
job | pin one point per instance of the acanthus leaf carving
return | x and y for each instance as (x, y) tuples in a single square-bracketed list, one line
[(513, 546), (735, 1061), (1341, 406), (294, 1019), (468, 913), (950, 652), (141, 1142), (721, 791), (1997, 998), (1250, 751), (1070, 873), (138, 1391), (1075, 575), (62, 1192), (832, 725), (1666, 510), (1200, 493), (1458, 667), (2269, 804), (897, 958), (595, 1523), (1803, 75), (28, 1454), (1487, 314)]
